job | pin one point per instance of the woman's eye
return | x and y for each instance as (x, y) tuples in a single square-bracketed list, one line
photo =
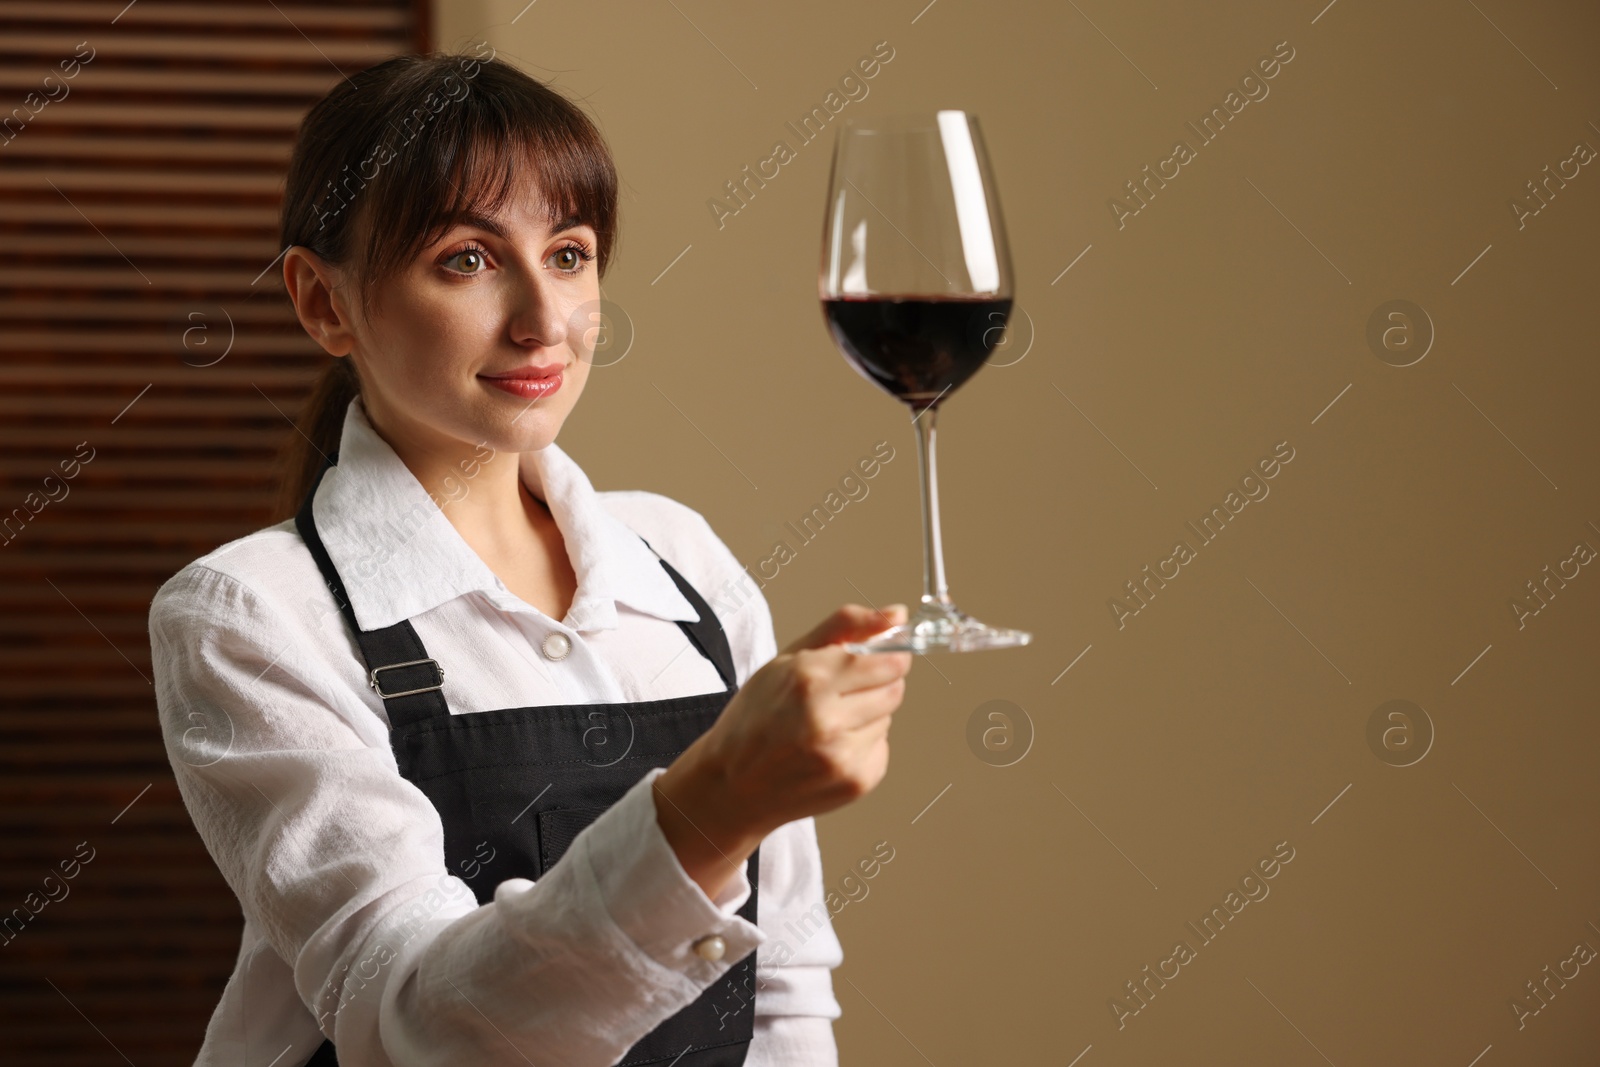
[(570, 259), (467, 261)]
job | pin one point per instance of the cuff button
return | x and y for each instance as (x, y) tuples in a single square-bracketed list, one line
[(710, 948)]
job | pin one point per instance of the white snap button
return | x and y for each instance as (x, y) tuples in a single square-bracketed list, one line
[(710, 948), (556, 645)]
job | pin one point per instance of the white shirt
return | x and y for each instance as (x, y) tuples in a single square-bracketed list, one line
[(281, 752)]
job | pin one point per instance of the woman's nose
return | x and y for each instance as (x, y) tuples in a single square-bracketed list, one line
[(538, 315)]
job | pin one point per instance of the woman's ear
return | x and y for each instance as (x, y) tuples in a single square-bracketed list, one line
[(315, 287)]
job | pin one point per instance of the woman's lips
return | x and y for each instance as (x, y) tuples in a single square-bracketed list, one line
[(527, 388)]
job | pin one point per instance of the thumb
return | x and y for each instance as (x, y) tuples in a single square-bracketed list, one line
[(848, 623)]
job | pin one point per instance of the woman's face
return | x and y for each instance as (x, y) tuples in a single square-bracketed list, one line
[(493, 297)]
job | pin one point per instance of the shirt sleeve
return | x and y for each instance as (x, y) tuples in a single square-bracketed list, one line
[(339, 861), (794, 982), (792, 1041)]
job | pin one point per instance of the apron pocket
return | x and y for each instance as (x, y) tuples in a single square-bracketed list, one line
[(558, 828)]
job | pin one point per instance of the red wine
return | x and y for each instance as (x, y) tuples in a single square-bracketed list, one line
[(916, 347)]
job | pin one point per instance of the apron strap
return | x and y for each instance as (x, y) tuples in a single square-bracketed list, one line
[(705, 633), (411, 682), (399, 668)]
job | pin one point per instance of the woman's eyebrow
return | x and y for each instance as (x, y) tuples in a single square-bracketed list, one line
[(494, 226), (568, 223)]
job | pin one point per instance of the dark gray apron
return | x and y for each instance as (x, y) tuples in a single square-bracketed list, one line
[(524, 781)]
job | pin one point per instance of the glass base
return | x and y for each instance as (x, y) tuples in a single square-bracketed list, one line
[(940, 627)]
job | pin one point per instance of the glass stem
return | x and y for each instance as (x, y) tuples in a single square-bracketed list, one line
[(933, 587)]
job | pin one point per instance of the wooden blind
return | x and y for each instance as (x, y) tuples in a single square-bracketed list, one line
[(150, 369)]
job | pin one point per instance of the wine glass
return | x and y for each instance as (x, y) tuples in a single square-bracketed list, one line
[(916, 290)]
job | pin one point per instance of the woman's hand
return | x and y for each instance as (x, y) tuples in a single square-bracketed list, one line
[(805, 734)]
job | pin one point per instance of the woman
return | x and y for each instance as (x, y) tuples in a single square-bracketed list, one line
[(492, 781)]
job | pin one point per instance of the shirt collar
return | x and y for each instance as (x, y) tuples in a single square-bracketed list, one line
[(398, 555)]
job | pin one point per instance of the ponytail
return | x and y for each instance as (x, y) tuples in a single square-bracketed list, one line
[(319, 428)]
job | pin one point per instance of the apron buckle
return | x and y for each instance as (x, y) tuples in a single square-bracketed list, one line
[(372, 678)]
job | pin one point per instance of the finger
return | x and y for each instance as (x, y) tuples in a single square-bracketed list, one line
[(849, 623), (846, 672), (871, 670), (867, 709)]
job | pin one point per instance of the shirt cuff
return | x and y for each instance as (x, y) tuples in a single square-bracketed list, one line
[(653, 900), (794, 1041)]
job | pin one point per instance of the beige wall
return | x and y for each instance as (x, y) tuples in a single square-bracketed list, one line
[(1220, 320)]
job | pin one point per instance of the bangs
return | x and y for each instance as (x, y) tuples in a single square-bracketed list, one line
[(446, 137)]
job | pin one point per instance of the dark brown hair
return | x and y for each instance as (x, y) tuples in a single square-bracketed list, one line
[(396, 155)]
